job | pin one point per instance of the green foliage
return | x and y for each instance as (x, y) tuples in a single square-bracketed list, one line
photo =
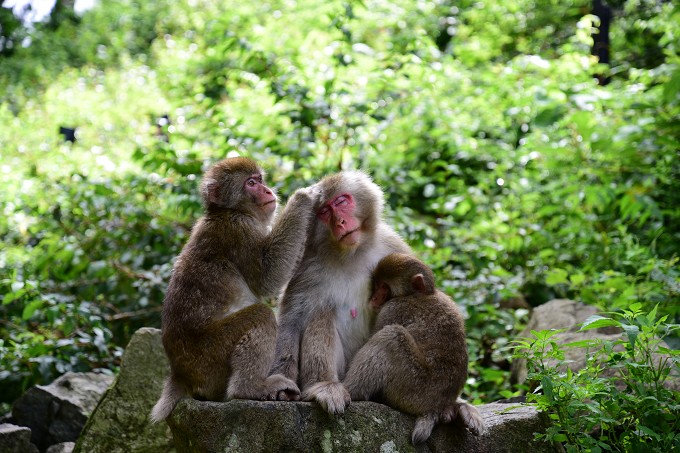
[(505, 165), (632, 410)]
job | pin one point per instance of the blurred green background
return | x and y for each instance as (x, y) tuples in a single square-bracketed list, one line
[(518, 167)]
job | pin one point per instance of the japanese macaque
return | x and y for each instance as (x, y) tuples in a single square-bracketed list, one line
[(416, 361), (218, 336), (324, 317)]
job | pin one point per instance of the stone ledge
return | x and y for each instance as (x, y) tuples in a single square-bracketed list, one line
[(255, 426)]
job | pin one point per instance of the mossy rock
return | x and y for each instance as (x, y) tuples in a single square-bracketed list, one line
[(254, 426)]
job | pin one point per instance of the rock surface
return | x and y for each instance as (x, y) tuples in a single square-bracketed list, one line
[(57, 412), (14, 439), (64, 447), (249, 426), (120, 423)]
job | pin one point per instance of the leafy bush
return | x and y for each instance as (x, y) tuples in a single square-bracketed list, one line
[(633, 410)]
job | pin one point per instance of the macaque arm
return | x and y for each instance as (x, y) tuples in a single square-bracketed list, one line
[(320, 350), (236, 325), (285, 245), (287, 353), (321, 357)]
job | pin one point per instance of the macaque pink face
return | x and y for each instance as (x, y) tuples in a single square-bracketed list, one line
[(381, 293), (338, 215), (261, 195)]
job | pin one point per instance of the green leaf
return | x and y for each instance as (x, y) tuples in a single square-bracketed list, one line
[(31, 308), (556, 276), (597, 321), (561, 437), (577, 279), (547, 385), (651, 316), (549, 115), (545, 334), (632, 332), (11, 297), (649, 432), (604, 446), (671, 89), (581, 344)]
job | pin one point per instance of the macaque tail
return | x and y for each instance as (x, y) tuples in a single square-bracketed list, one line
[(423, 429), (172, 393)]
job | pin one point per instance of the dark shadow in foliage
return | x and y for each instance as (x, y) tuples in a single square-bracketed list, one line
[(69, 133), (601, 39)]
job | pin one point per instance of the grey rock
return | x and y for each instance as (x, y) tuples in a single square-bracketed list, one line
[(57, 412), (562, 314), (256, 426), (64, 447), (120, 423), (14, 439)]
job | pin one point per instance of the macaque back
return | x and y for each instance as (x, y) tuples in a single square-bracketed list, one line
[(416, 361)]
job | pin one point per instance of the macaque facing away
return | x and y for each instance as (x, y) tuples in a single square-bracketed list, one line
[(218, 336), (416, 361)]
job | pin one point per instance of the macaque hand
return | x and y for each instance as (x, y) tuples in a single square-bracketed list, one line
[(314, 193)]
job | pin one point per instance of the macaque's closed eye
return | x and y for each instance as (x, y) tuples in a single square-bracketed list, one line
[(341, 200)]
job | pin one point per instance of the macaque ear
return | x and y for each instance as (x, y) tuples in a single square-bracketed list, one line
[(211, 190), (418, 283)]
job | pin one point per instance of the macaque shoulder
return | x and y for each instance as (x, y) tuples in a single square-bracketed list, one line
[(419, 310), (407, 310), (389, 241)]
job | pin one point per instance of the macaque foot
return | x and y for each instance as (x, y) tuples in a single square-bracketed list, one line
[(280, 388), (332, 396), (471, 418)]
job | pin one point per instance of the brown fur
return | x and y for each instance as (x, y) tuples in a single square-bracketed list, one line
[(417, 359), (218, 336)]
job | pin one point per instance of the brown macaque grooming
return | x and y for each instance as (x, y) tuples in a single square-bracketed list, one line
[(218, 336), (324, 316), (417, 359)]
